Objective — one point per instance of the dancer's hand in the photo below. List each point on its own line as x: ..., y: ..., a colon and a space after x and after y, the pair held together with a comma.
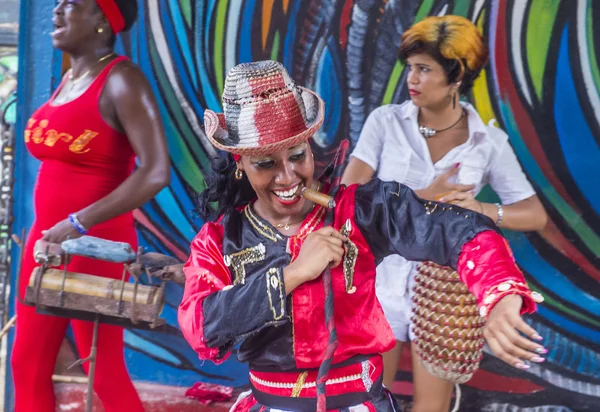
x: 502, y: 334
x: 465, y: 200
x: 442, y: 187
x: 60, y: 232
x: 321, y: 249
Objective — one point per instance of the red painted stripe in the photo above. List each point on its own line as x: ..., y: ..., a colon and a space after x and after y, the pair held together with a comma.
x: 488, y: 381
x: 141, y: 218
x: 345, y: 22
x: 483, y: 380
x: 553, y: 235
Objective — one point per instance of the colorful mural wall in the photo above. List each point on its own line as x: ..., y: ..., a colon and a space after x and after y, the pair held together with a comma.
x: 542, y: 86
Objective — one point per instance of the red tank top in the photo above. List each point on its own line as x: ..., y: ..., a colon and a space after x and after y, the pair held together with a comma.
x: 83, y: 158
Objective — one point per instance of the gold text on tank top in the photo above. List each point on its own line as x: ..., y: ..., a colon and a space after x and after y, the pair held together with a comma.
x: 39, y: 135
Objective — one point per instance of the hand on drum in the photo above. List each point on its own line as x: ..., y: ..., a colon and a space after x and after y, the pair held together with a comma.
x: 60, y: 232
x: 49, y: 253
x: 502, y: 334
x: 321, y: 249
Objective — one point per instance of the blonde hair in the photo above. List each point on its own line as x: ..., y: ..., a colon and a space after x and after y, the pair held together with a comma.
x: 453, y: 41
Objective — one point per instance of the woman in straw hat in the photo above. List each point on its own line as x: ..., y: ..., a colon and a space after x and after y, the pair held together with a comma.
x: 254, y: 274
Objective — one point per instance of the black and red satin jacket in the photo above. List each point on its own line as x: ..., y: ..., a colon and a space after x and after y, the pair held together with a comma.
x: 235, y: 291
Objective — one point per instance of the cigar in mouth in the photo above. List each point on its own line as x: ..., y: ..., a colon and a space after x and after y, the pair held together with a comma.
x: 317, y: 197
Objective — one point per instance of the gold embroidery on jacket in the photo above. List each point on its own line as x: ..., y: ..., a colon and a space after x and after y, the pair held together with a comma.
x: 261, y: 227
x: 238, y: 261
x: 275, y: 284
x: 350, y: 256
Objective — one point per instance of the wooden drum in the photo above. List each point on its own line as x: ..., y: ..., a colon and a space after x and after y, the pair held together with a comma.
x: 60, y: 292
x: 77, y: 295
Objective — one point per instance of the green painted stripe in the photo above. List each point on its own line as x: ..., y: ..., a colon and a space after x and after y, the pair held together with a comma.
x: 552, y: 303
x: 219, y: 56
x: 424, y: 10
x: 462, y: 7
x: 540, y: 25
x: 275, y: 47
x: 187, y: 133
x: 186, y: 11
x: 393, y: 82
x: 574, y: 220
x: 11, y: 62
x: 591, y: 47
x: 586, y: 234
x: 177, y: 127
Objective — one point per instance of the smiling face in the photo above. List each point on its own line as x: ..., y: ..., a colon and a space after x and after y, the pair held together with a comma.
x: 427, y: 82
x: 278, y: 177
x: 76, y: 24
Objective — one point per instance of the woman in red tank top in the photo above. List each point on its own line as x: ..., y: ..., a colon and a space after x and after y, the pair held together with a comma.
x: 87, y: 137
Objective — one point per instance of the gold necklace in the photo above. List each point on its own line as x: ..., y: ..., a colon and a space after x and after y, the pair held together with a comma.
x: 286, y: 226
x: 75, y: 80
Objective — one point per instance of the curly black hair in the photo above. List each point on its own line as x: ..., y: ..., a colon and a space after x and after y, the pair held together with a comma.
x: 223, y: 189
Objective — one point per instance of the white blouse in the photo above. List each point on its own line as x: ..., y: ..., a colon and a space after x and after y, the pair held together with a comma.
x: 392, y: 145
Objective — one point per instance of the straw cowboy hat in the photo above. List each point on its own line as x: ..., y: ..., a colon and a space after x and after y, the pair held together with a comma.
x: 264, y: 111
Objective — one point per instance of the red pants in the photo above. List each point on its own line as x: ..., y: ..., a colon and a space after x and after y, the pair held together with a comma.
x: 38, y: 339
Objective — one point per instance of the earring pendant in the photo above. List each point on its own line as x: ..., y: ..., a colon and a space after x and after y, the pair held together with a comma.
x: 238, y: 174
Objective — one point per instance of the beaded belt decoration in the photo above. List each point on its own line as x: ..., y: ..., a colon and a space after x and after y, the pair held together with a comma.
x: 446, y: 323
x: 358, y: 377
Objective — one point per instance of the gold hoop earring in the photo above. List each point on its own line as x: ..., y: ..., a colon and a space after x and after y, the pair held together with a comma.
x: 100, y: 30
x: 454, y: 101
x: 238, y: 174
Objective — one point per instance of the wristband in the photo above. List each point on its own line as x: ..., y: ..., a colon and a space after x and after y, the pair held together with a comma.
x: 76, y: 224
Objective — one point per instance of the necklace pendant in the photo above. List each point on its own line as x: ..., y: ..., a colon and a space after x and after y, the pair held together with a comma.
x: 286, y: 227
x: 427, y: 132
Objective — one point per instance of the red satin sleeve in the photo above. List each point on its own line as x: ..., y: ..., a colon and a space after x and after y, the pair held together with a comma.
x: 487, y: 266
x: 205, y: 273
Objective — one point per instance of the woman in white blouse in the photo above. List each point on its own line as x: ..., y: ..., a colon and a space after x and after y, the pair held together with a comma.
x: 439, y: 146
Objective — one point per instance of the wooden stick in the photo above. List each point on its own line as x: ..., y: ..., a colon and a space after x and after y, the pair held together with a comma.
x: 8, y: 325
